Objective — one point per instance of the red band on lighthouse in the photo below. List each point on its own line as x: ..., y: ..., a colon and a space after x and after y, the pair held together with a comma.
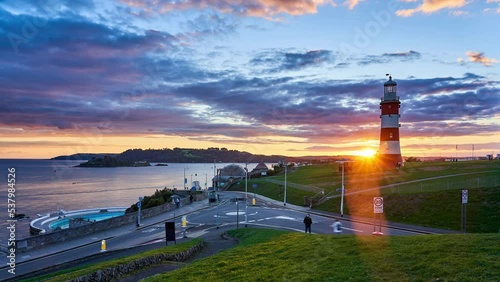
x: 389, y: 150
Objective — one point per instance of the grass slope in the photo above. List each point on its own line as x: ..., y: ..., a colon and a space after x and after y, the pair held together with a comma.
x: 269, y: 255
x: 432, y: 203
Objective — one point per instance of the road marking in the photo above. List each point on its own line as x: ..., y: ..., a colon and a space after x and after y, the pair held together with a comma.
x: 285, y: 217
x: 235, y: 213
x: 149, y: 230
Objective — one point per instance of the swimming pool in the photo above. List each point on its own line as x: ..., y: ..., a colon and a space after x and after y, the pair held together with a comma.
x: 63, y: 223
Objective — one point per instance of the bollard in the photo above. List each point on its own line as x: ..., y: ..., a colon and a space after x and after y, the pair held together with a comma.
x: 103, y: 245
x: 253, y: 201
x: 184, y: 223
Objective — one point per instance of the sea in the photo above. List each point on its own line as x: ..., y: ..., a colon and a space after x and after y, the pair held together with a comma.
x: 46, y: 186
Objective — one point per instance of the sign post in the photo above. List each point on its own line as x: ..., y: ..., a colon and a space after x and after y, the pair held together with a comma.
x: 463, y: 217
x: 378, y: 208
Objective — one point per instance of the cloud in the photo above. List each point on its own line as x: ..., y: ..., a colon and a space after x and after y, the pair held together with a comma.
x: 390, y: 57
x: 210, y: 25
x: 478, y: 57
x: 277, y: 60
x: 351, y: 3
x: 268, y: 9
x: 77, y: 75
x: 458, y: 13
x: 432, y: 6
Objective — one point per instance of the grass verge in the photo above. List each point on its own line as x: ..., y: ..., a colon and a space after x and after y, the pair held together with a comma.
x: 72, y: 273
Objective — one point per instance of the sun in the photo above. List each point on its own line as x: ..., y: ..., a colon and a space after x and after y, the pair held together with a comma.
x: 369, y: 153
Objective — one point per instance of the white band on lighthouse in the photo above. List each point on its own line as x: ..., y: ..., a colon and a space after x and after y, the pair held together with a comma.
x: 389, y: 147
x: 390, y: 121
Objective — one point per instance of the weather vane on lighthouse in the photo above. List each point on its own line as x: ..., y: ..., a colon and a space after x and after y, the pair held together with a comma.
x: 390, y: 149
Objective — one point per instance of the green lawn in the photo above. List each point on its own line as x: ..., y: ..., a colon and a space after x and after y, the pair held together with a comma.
x: 269, y: 255
x: 433, y: 203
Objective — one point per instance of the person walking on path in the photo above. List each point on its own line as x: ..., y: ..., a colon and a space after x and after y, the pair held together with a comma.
x: 307, y: 222
x: 337, y: 227
x: 191, y: 198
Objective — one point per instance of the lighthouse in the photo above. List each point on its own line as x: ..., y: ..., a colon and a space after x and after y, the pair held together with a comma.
x: 389, y: 152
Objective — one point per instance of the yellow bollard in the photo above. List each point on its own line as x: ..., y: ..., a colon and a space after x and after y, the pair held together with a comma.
x: 103, y: 245
x: 253, y: 201
x: 184, y: 221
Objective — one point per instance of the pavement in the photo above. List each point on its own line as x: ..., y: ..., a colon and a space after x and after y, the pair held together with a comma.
x: 175, y: 215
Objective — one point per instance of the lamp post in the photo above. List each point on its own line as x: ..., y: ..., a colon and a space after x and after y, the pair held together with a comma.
x: 284, y: 199
x: 237, y: 213
x: 184, y: 180
x: 246, y: 193
x: 139, y: 203
x: 342, y: 197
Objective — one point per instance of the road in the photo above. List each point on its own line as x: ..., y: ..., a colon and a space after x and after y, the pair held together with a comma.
x: 199, y: 222
x: 275, y: 216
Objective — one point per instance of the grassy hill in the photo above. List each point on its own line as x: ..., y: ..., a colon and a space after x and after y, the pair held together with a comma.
x: 270, y: 255
x: 411, y: 195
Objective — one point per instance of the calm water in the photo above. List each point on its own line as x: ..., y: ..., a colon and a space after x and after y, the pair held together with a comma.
x: 44, y: 186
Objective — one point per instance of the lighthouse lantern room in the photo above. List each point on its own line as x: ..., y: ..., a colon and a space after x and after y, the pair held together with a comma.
x: 389, y: 151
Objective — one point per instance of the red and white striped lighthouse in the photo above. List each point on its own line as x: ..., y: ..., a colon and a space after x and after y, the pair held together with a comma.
x: 389, y: 152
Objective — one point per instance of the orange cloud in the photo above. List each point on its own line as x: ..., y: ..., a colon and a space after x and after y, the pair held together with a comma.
x: 431, y: 6
x: 351, y: 3
x: 478, y: 57
x: 256, y: 8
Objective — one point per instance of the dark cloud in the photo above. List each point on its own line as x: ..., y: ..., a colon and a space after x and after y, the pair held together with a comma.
x: 278, y: 61
x: 390, y: 57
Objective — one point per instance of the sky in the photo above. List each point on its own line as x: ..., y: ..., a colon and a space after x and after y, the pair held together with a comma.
x: 294, y: 78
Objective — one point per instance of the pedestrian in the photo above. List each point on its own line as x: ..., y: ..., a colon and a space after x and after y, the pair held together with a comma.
x: 177, y: 202
x: 307, y: 222
x: 191, y: 198
x: 337, y: 227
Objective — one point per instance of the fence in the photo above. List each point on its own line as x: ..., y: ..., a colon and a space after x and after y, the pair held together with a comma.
x: 445, y: 183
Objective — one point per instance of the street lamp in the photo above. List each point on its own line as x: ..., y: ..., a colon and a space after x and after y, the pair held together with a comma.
x: 284, y: 199
x: 343, y: 190
x: 246, y: 193
x: 139, y: 204
x: 184, y: 180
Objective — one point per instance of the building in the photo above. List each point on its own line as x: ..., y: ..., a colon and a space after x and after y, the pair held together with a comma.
x: 228, y: 174
x: 389, y: 153
x: 260, y: 169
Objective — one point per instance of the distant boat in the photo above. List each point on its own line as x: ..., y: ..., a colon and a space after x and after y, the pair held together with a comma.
x: 161, y: 164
